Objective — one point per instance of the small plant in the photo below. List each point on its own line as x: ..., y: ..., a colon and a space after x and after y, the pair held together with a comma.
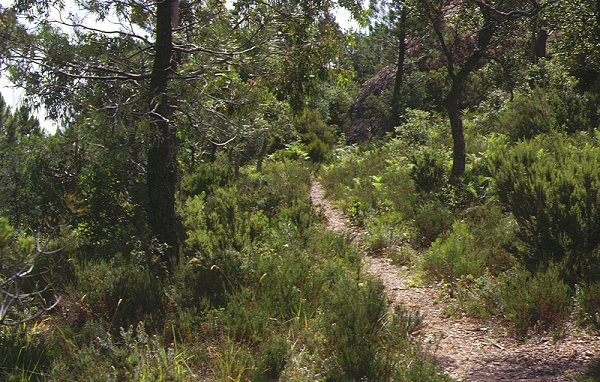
x: 122, y: 293
x: 454, y: 257
x: 587, y: 304
x: 386, y: 230
x: 274, y: 356
x: 527, y: 116
x: 415, y: 131
x: 24, y: 354
x: 428, y: 169
x: 232, y: 363
x: 540, y: 301
x: 354, y: 321
x: 315, y: 134
x: 430, y: 220
x: 552, y: 186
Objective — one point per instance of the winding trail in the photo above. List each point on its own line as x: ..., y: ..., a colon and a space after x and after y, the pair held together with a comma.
x: 471, y: 349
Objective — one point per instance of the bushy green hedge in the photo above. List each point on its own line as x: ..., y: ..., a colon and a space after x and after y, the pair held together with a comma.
x: 315, y: 134
x: 552, y: 187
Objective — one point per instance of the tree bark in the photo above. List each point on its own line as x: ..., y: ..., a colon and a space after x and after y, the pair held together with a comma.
x: 162, y: 165
x: 459, y: 152
x: 396, y: 106
x: 454, y: 99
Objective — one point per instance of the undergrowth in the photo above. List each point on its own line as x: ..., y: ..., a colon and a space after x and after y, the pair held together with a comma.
x: 262, y: 292
x: 515, y: 239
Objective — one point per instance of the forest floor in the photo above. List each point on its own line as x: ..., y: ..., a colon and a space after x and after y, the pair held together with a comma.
x: 472, y: 349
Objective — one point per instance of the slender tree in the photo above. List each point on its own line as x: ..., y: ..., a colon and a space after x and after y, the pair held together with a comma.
x: 165, y: 68
x: 162, y: 154
x: 466, y: 31
x: 392, y: 18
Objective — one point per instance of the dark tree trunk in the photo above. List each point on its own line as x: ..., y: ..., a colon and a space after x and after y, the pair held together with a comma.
x: 162, y: 165
x: 454, y: 99
x: 459, y: 152
x: 396, y: 105
x: 262, y: 151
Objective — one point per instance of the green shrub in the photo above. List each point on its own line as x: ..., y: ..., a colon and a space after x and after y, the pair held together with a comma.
x: 493, y: 234
x: 552, y: 187
x: 318, y: 137
x: 130, y: 355
x: 528, y: 115
x: 386, y: 230
x: 429, y: 221
x: 455, y: 256
x: 233, y: 362
x: 539, y: 301
x: 274, y: 355
x: 24, y: 354
x: 428, y: 169
x: 294, y: 151
x: 206, y: 177
x: 220, y: 222
x: 472, y: 190
x: 355, y: 317
x: 415, y: 131
x: 25, y: 289
x: 122, y: 293
x: 587, y: 304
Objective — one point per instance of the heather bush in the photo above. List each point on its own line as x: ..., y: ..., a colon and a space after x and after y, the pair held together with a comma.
x: 587, y: 304
x: 317, y: 136
x: 552, y: 187
x: 539, y: 301
x: 454, y: 257
x: 429, y: 169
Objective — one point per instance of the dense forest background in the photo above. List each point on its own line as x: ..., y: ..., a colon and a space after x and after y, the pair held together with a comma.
x: 165, y: 230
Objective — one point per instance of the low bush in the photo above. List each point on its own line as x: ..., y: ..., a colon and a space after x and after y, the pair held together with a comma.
x: 24, y: 354
x: 527, y: 115
x: 315, y: 134
x: 430, y: 220
x: 122, y: 293
x: 386, y: 230
x: 206, y: 178
x: 416, y: 130
x: 552, y: 187
x: 540, y: 301
x: 428, y: 169
x: 587, y: 304
x: 356, y: 317
x: 454, y: 257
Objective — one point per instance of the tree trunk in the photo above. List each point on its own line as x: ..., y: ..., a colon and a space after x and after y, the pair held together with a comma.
x: 396, y: 107
x: 162, y: 165
x: 459, y: 152
x: 454, y: 99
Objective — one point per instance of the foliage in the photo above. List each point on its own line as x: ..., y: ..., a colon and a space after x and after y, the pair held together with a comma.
x: 24, y: 354
x: 317, y: 136
x: 415, y: 131
x: 333, y: 102
x: 428, y: 169
x: 587, y: 304
x: 25, y: 292
x: 358, y: 310
x: 262, y: 291
x: 576, y: 46
x: 550, y: 185
x: 528, y: 116
x: 454, y: 257
x: 431, y: 219
x: 538, y: 301
x: 122, y: 294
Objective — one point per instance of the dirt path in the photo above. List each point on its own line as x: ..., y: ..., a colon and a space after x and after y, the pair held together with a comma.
x: 467, y: 348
